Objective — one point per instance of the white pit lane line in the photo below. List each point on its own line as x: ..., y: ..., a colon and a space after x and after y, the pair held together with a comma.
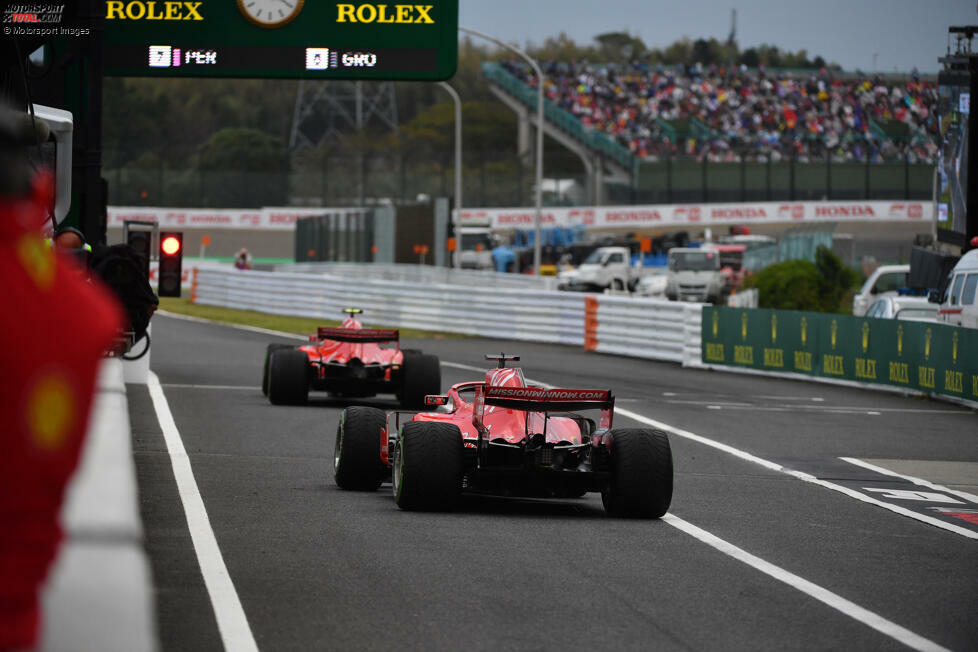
x: 909, y: 478
x: 837, y: 602
x: 231, y: 620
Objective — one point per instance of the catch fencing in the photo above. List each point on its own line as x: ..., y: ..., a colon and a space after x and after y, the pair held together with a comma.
x: 639, y: 327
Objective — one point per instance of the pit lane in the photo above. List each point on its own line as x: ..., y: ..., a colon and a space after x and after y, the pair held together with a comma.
x: 316, y: 567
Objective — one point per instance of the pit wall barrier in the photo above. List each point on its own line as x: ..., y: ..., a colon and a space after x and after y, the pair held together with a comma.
x: 639, y: 327
x: 921, y: 356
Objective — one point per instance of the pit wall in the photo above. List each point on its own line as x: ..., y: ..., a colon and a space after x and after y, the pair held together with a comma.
x: 921, y: 356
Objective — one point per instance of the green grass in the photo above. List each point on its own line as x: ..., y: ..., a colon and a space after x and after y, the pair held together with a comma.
x: 283, y: 323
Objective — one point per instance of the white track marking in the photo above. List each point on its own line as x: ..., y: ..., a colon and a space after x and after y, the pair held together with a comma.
x: 909, y: 478
x: 806, y: 477
x: 185, y: 386
x: 791, y: 398
x: 840, y: 409
x: 833, y: 600
x: 231, y: 620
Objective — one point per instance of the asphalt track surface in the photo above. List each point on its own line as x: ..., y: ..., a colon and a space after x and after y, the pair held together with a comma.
x: 751, y: 557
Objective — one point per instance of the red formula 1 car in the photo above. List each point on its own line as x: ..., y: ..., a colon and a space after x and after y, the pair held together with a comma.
x: 349, y: 361
x: 501, y: 436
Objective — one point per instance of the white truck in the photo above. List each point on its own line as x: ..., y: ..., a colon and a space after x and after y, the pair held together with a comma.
x: 695, y: 275
x: 475, y: 244
x: 605, y: 268
x: 886, y: 280
x: 959, y: 305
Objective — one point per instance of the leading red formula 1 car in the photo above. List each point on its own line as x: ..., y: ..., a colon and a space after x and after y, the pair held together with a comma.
x: 349, y: 361
x: 501, y: 436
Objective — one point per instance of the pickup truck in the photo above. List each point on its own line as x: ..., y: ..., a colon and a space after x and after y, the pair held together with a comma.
x: 886, y: 280
x: 604, y: 268
x: 695, y: 275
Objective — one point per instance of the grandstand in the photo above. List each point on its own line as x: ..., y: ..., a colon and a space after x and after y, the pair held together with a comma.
x: 729, y: 114
x: 734, y: 134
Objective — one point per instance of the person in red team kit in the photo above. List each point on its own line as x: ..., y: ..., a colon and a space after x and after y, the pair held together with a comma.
x: 55, y: 327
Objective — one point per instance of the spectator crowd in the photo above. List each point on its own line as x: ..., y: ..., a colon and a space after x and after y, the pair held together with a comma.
x: 730, y: 114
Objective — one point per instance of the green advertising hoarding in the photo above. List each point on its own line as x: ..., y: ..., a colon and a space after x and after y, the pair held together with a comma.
x: 310, y: 39
x: 925, y: 356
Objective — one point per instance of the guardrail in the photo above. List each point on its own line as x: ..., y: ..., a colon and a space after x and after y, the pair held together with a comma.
x: 930, y: 358
x: 509, y: 313
x: 641, y: 327
x: 423, y: 274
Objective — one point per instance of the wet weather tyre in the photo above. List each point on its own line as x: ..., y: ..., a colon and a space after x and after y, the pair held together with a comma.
x: 356, y: 455
x: 288, y: 377
x: 420, y: 376
x: 641, y: 474
x: 269, y: 350
x: 428, y: 467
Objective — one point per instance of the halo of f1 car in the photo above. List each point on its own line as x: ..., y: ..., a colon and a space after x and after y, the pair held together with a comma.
x: 349, y: 361
x: 501, y: 436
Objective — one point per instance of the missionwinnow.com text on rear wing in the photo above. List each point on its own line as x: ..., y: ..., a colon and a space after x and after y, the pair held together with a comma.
x: 539, y: 399
x: 359, y: 335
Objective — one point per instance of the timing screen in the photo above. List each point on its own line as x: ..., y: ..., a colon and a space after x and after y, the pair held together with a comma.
x: 188, y: 59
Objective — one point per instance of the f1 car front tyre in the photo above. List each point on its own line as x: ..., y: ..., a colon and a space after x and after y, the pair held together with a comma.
x: 641, y: 474
x: 420, y: 376
x: 356, y: 457
x: 428, y: 466
x: 269, y: 350
x: 288, y: 377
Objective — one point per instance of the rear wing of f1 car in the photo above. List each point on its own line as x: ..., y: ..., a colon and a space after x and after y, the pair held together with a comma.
x: 359, y: 335
x: 539, y: 399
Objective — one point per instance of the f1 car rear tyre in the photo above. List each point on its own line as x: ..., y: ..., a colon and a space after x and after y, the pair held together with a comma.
x: 288, y: 377
x: 271, y: 348
x: 641, y: 474
x: 356, y: 456
x: 420, y: 376
x: 428, y: 466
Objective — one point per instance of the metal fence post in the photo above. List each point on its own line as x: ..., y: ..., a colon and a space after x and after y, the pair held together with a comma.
x: 866, y: 177
x: 767, y: 179
x: 669, y: 179
x: 705, y: 188
x: 791, y: 177
x: 828, y: 176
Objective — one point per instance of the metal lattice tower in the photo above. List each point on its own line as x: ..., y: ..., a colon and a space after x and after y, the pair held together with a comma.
x: 329, y: 111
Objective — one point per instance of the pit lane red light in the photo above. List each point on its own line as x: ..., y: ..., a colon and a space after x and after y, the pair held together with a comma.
x: 170, y: 245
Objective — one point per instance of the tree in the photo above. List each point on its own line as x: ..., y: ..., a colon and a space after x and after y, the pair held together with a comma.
x: 750, y: 58
x: 706, y: 52
x: 803, y: 285
x: 620, y: 46
x: 244, y: 168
